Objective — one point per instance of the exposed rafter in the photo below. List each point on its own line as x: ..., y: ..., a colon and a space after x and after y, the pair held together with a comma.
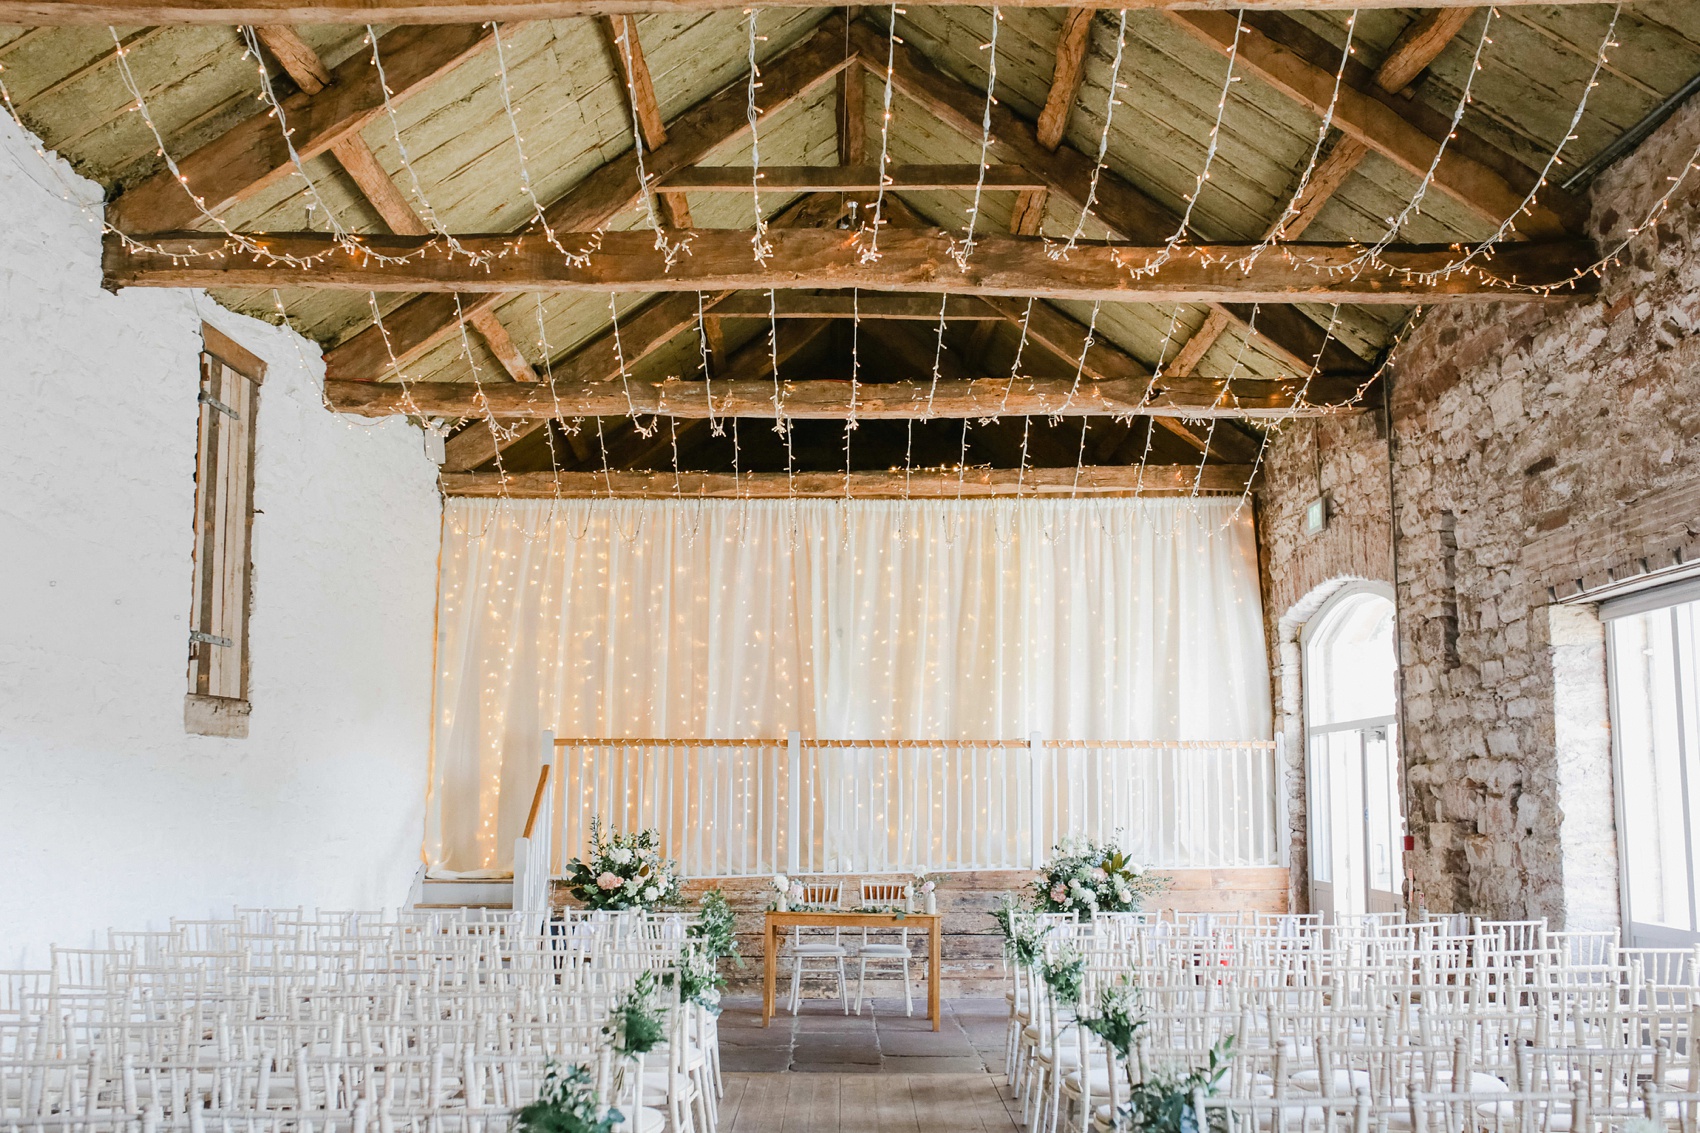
x: 607, y: 191
x: 634, y: 68
x: 919, y: 484
x: 1417, y: 46
x: 1122, y: 207
x: 1073, y: 39
x: 253, y: 154
x: 911, y: 260
x: 74, y: 12
x: 596, y: 362
x: 1273, y: 49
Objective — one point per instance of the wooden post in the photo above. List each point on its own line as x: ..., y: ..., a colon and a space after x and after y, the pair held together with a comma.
x: 1035, y: 811
x: 793, y: 802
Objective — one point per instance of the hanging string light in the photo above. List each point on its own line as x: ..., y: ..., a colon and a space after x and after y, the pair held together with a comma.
x: 961, y: 252
x: 1111, y: 101
x: 670, y: 249
x: 868, y: 236
x: 716, y: 427
x: 1277, y: 231
x: 759, y: 242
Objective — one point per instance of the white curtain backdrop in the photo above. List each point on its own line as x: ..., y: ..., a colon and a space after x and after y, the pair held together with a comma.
x: 983, y: 619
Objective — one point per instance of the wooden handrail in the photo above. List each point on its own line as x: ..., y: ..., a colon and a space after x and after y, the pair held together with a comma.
x: 626, y: 741
x: 537, y: 799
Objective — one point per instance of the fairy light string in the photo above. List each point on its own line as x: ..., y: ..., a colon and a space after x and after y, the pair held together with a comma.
x: 670, y: 249
x: 1111, y: 101
x: 759, y: 242
x: 868, y: 237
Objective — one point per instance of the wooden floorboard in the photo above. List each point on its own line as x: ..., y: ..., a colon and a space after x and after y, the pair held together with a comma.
x: 864, y: 1103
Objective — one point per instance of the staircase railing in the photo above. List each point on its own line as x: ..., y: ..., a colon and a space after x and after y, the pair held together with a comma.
x: 756, y: 806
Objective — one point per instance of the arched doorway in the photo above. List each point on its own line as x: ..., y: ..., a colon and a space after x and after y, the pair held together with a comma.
x: 1357, y: 825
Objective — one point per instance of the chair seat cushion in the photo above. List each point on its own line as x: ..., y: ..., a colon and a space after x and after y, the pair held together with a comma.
x: 820, y: 950
x: 884, y: 950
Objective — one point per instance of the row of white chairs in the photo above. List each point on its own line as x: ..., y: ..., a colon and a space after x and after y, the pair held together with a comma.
x: 352, y: 1019
x: 1379, y: 1007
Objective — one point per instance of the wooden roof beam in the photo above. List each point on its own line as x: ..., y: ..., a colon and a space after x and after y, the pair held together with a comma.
x: 803, y: 398
x: 911, y: 260
x: 1073, y: 38
x: 610, y: 189
x: 59, y: 13
x: 379, y: 188
x: 596, y: 363
x: 918, y: 484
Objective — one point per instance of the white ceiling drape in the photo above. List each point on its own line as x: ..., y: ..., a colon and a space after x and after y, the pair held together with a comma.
x: 984, y: 619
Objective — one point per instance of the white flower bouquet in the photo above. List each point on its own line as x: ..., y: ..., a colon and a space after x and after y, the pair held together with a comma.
x: 1084, y: 877
x: 623, y: 871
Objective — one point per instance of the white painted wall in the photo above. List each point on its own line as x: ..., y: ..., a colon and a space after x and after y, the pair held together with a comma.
x: 109, y: 814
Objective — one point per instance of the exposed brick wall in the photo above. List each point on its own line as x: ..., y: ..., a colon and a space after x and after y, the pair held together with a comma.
x: 1537, y: 449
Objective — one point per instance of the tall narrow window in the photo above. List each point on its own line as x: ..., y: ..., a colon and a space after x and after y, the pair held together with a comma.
x: 1357, y: 825
x: 1654, y: 670
x: 224, y: 510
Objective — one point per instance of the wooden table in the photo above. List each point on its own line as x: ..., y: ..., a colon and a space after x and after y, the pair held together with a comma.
x: 779, y: 923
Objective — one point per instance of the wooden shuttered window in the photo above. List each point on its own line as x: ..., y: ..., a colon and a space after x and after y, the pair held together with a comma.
x: 224, y: 512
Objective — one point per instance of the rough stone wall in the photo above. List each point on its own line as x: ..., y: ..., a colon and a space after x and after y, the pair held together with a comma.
x: 1538, y: 450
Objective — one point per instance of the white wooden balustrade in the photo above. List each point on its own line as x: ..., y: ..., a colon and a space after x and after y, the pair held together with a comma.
x: 752, y: 807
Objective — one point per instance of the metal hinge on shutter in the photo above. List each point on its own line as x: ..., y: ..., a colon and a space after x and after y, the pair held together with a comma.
x: 208, y: 399
x: 196, y: 637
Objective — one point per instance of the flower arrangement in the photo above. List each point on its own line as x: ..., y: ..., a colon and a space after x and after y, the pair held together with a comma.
x: 697, y: 976
x: 789, y: 892
x: 1084, y: 877
x: 623, y: 871
x: 567, y: 1103
x: 924, y: 890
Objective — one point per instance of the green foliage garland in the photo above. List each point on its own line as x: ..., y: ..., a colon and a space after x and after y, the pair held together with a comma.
x: 1116, y: 1019
x: 1065, y: 975
x: 1023, y: 936
x: 567, y: 1103
x: 636, y: 1026
x: 1162, y: 1103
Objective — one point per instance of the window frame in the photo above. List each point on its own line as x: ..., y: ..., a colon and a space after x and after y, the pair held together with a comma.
x: 1322, y: 620
x: 1664, y: 597
x: 205, y: 711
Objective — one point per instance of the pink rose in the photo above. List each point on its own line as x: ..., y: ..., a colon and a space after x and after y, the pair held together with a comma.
x: 1058, y: 892
x: 609, y: 881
